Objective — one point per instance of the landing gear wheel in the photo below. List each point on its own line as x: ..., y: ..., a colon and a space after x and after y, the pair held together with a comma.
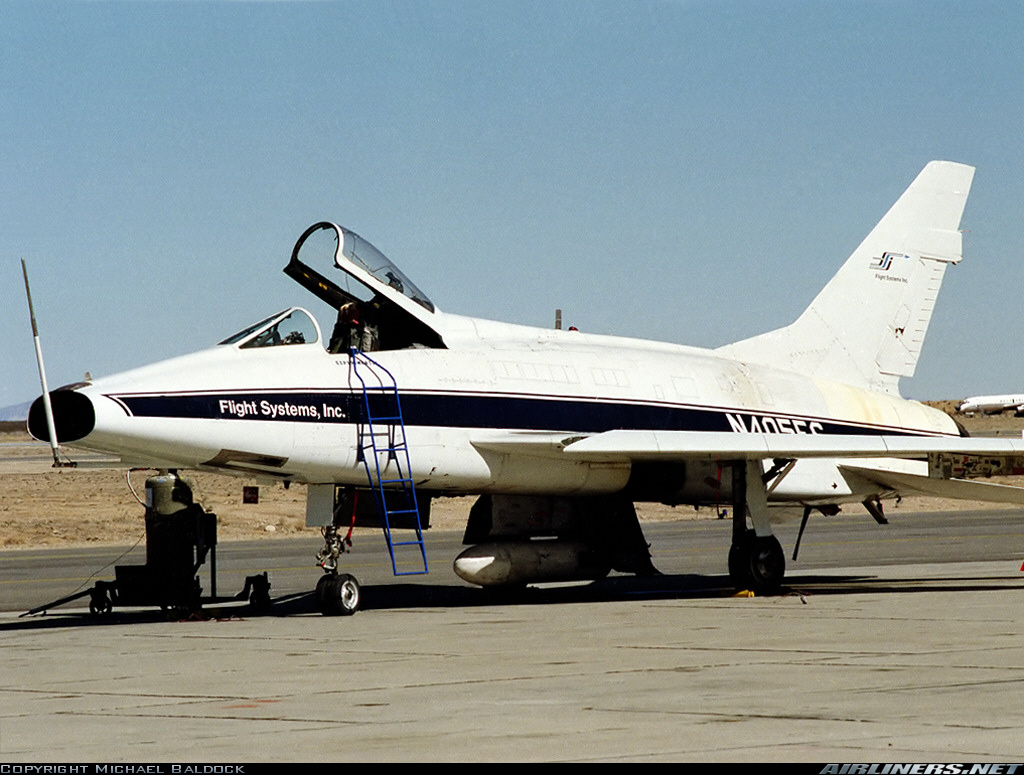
x: 767, y: 565
x: 337, y: 595
x: 757, y: 563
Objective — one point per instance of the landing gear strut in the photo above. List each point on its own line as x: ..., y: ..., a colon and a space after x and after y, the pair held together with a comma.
x: 756, y: 559
x: 337, y: 594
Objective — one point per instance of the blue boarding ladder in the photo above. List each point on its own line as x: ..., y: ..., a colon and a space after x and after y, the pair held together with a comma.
x: 381, y: 437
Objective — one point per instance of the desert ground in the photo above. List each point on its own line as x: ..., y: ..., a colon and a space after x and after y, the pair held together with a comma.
x: 42, y: 506
x: 45, y: 507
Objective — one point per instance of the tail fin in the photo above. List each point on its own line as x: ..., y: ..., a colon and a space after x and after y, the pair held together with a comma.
x: 867, y: 326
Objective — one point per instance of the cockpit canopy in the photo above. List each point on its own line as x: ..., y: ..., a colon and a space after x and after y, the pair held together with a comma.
x: 402, y: 316
x: 356, y: 249
x: 291, y: 326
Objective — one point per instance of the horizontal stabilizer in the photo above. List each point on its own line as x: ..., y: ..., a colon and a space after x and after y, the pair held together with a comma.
x: 960, y: 489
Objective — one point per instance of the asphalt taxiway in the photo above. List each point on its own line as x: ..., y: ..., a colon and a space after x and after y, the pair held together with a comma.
x: 903, y: 643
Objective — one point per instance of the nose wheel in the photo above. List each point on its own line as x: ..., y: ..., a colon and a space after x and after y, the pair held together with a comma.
x: 337, y: 594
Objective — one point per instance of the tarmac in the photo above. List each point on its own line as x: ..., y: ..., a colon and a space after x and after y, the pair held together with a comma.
x: 893, y: 663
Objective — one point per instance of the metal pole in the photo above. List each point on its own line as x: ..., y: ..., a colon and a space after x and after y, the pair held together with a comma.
x: 47, y: 406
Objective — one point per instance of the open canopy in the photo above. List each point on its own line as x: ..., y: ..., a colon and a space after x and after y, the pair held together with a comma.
x: 401, y: 314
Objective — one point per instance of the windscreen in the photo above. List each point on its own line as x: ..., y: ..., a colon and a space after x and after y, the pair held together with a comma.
x: 296, y: 327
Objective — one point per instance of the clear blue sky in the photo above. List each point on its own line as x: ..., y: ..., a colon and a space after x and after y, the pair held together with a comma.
x: 688, y: 171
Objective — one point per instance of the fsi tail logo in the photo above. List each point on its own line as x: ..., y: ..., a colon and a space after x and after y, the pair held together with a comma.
x: 883, y: 262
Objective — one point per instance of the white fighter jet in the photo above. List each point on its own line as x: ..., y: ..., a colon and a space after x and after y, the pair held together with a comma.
x: 559, y: 433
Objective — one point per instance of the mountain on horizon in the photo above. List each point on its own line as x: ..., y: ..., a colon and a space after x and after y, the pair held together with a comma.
x: 16, y: 413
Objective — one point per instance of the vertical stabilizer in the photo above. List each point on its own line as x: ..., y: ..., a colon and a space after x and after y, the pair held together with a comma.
x: 867, y: 326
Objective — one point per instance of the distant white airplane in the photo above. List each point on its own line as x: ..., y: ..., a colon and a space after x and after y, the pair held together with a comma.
x: 992, y: 404
x: 560, y: 432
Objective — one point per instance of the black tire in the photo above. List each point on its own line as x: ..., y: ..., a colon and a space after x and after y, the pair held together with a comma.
x: 767, y: 565
x: 758, y: 564
x: 338, y: 595
x: 321, y: 592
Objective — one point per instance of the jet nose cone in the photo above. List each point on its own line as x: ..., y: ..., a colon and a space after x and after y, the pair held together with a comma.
x: 73, y: 416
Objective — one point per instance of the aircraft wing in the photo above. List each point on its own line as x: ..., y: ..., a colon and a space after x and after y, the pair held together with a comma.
x: 952, y: 461
x: 630, y: 445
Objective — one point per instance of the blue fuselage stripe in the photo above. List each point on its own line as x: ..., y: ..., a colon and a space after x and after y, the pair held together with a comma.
x: 478, y: 410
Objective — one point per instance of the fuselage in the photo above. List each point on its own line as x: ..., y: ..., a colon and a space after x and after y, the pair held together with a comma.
x: 487, y: 407
x: 293, y: 411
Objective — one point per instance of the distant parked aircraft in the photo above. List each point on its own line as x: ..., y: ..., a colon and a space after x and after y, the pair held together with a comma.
x: 993, y: 404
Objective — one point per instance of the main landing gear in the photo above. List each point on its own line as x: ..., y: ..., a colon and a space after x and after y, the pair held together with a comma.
x: 756, y: 559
